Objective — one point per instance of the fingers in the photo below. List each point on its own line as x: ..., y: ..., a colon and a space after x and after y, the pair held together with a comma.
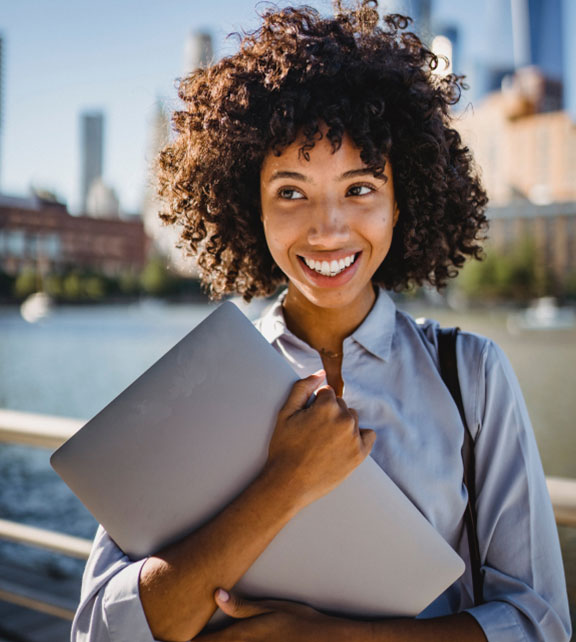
x: 368, y: 437
x: 234, y: 606
x: 301, y: 391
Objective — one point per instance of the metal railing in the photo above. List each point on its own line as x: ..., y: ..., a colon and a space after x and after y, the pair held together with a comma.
x: 50, y: 432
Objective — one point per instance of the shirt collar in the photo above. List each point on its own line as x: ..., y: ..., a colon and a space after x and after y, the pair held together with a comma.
x: 374, y: 334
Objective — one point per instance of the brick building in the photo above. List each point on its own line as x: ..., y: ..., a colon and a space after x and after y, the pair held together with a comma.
x: 527, y: 160
x: 41, y: 232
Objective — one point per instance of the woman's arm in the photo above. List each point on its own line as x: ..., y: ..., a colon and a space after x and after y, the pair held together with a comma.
x: 312, y: 450
x: 524, y: 585
x: 278, y: 621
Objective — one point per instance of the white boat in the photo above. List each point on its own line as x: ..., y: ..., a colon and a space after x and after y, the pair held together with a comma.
x: 543, y: 314
x: 36, y: 307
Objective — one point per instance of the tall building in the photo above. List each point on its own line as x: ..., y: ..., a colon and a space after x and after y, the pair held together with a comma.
x: 539, y: 42
x: 569, y: 52
x: 92, y: 153
x: 198, y: 51
x: 1, y: 99
x: 164, y: 238
x: 546, y: 36
x: 451, y: 33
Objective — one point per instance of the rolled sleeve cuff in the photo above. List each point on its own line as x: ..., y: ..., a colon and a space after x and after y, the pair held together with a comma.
x: 499, y: 621
x: 124, y: 613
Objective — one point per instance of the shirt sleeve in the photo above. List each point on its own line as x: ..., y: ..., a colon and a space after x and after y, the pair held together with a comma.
x: 524, y: 582
x: 110, y: 609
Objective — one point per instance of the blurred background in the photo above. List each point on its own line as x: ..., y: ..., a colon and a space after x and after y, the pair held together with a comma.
x: 93, y: 290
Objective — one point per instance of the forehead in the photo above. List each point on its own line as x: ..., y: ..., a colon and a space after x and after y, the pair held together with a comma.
x: 300, y: 162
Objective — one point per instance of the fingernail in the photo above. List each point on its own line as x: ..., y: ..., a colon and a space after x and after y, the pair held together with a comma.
x: 320, y: 373
x: 223, y: 595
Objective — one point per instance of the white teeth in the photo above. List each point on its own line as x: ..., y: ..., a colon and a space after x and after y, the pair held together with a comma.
x: 331, y: 268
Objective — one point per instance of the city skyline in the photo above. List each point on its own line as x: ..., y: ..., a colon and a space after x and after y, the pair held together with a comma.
x: 120, y: 58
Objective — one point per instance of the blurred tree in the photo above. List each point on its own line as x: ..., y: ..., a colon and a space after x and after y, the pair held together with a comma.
x: 6, y: 285
x: 72, y: 286
x: 156, y: 279
x: 26, y: 283
x: 94, y: 287
x: 54, y: 285
x: 515, y: 275
x: 128, y: 283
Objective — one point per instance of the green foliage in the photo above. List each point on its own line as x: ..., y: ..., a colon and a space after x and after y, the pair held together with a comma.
x: 570, y: 286
x: 54, y: 285
x: 77, y: 285
x: 128, y: 283
x: 156, y: 279
x: 26, y: 283
x: 72, y: 286
x: 515, y: 275
x: 94, y: 287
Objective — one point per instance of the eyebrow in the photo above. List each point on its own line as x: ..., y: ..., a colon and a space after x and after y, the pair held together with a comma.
x: 352, y: 173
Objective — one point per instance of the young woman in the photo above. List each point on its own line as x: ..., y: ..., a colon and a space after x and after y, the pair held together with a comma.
x: 321, y: 155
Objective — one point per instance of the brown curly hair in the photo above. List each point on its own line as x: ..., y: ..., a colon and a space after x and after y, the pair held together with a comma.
x: 297, y: 72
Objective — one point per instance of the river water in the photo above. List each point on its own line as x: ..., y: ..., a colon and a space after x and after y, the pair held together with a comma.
x: 73, y: 363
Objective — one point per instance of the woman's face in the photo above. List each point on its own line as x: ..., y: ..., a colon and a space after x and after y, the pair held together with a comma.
x: 328, y: 222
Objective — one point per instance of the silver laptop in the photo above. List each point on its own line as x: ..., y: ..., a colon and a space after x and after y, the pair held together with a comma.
x: 188, y: 435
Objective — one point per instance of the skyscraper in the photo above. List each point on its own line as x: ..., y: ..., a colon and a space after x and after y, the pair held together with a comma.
x: 538, y: 42
x: 198, y: 51
x: 92, y: 152
x: 1, y: 99
x: 569, y: 52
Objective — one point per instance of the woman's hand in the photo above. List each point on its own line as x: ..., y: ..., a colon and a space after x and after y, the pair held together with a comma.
x: 315, y: 448
x: 275, y: 621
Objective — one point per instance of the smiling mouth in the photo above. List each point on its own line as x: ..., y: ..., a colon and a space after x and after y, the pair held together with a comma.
x: 330, y: 268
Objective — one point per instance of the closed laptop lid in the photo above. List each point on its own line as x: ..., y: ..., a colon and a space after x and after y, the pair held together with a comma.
x: 188, y: 435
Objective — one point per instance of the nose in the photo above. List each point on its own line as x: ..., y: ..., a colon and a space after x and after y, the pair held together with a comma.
x: 328, y: 226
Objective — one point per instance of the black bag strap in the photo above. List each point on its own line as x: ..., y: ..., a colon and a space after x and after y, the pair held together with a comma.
x: 449, y: 372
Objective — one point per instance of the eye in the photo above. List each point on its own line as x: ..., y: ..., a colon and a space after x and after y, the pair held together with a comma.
x: 360, y: 190
x: 290, y: 194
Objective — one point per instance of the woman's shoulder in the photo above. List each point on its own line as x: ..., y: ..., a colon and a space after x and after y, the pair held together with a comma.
x: 472, y: 344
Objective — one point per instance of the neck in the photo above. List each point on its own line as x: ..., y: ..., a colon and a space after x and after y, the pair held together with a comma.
x: 325, y: 329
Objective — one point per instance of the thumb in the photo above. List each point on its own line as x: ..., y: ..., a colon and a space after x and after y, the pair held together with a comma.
x: 234, y: 606
x: 301, y: 392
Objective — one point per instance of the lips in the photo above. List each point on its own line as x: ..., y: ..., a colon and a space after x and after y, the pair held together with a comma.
x: 330, y: 270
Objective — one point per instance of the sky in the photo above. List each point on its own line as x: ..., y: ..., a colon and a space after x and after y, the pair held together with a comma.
x: 62, y: 57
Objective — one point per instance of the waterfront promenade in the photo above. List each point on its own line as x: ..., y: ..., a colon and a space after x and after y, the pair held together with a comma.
x: 75, y: 362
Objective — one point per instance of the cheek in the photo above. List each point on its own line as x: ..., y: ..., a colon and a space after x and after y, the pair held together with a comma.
x: 274, y: 242
x: 279, y: 234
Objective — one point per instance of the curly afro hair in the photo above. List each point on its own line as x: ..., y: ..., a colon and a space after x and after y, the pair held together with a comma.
x: 297, y: 73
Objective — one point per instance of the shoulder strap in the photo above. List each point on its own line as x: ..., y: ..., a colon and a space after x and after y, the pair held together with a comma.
x: 449, y: 372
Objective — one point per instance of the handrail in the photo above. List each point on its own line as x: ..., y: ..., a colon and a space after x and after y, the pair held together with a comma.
x: 44, y: 538
x: 32, y: 429
x: 47, y: 431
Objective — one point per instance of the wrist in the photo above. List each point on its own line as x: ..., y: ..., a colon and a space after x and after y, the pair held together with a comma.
x: 279, y: 489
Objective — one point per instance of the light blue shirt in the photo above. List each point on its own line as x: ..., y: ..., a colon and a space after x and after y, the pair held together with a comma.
x: 391, y: 377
